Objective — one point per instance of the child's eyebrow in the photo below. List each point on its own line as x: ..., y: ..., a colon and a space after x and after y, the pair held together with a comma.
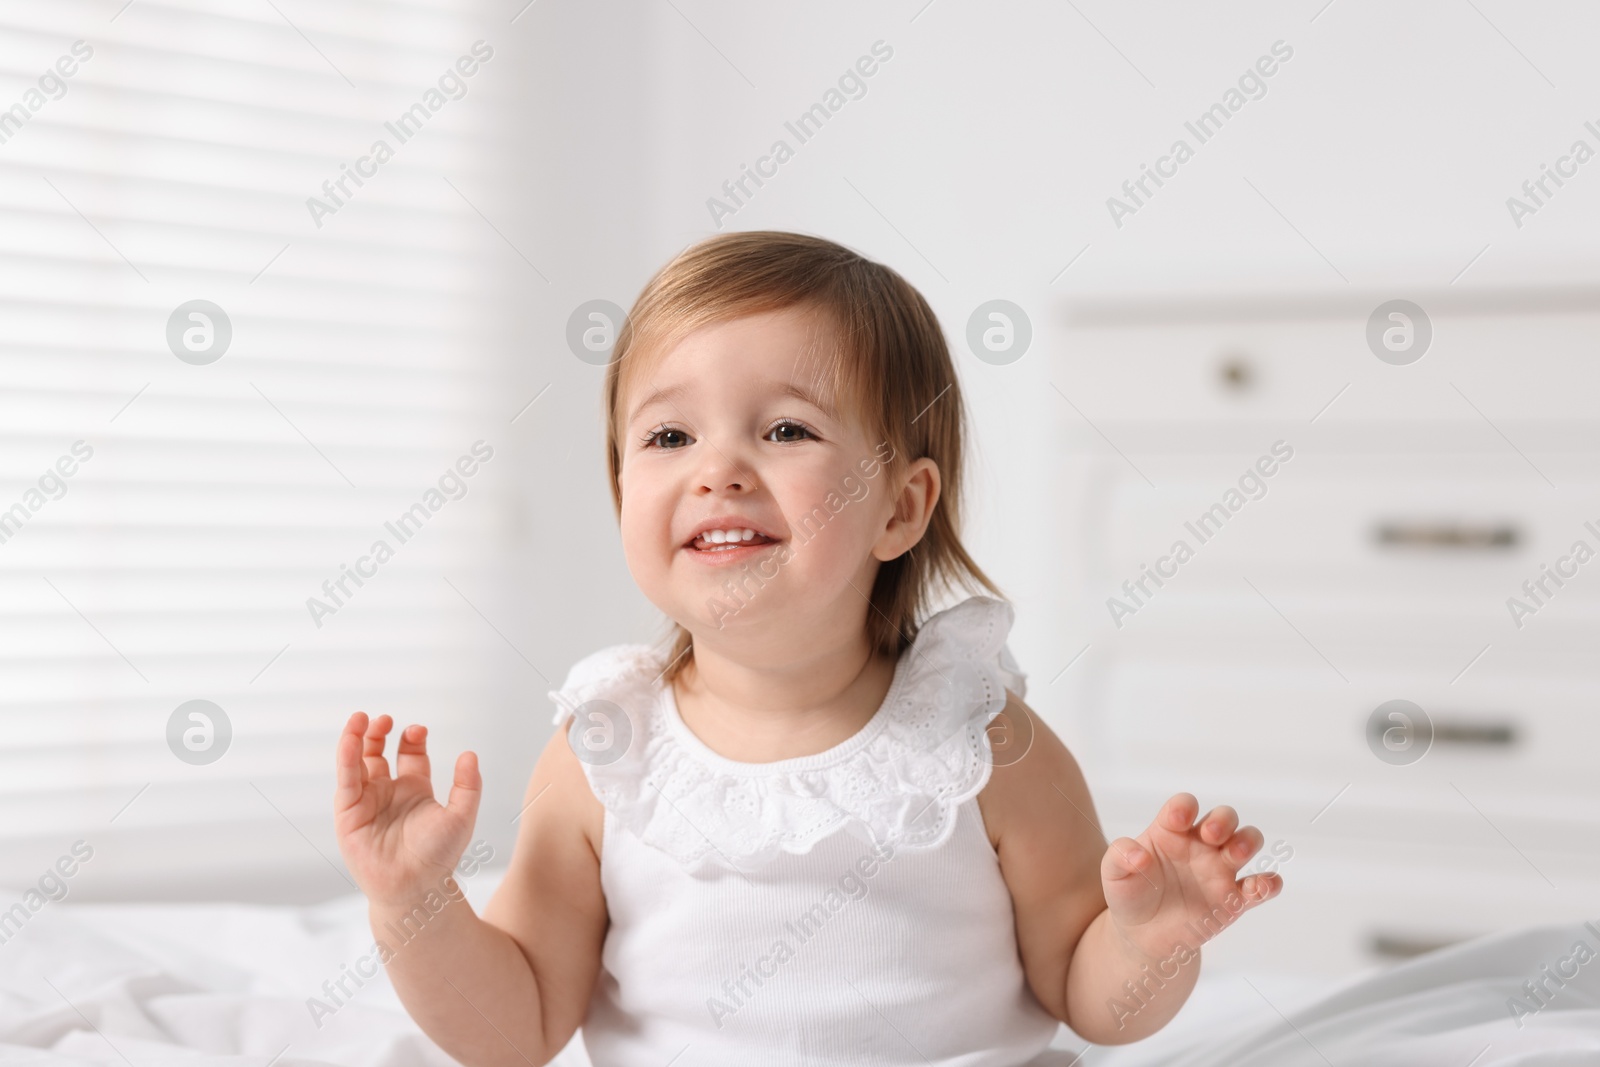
x: 789, y: 389
x: 657, y: 396
x: 799, y: 392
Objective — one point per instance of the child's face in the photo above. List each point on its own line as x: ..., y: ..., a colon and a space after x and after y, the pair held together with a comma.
x: 734, y: 447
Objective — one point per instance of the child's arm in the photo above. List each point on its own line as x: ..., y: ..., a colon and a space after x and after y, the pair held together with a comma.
x: 1113, y: 972
x: 510, y: 988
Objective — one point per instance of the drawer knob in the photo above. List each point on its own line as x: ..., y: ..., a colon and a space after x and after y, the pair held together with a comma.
x: 1404, y: 946
x: 1448, y: 535
x: 1236, y: 374
x: 1485, y: 734
x: 1400, y: 733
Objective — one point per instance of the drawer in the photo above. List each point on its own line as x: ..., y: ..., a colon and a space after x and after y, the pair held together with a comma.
x: 1219, y: 360
x: 1506, y: 736
x: 1351, y: 902
x: 1358, y: 560
x: 1346, y: 909
x: 1359, y: 635
x: 1317, y: 523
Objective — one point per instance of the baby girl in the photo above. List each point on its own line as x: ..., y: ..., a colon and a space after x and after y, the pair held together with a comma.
x: 819, y: 825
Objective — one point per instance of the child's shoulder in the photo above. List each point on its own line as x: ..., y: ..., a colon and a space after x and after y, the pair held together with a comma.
x: 628, y: 671
x: 1034, y: 777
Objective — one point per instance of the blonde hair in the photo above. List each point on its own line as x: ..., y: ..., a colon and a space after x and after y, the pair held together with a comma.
x: 894, y: 374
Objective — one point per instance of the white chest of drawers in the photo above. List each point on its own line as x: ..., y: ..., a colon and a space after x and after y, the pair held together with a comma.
x: 1374, y: 565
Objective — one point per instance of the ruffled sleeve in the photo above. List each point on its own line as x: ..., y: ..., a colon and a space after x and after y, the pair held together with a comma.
x: 620, y: 673
x: 899, y: 780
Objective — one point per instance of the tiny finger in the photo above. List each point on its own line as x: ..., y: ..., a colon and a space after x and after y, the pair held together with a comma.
x: 1242, y: 845
x: 1178, y: 813
x: 411, y: 752
x: 467, y: 786
x: 377, y: 731
x: 350, y: 774
x: 1217, y: 826
x: 1124, y: 857
x: 1260, y: 887
x: 372, y: 746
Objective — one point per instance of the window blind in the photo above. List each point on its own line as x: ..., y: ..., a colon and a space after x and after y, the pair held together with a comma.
x: 173, y: 512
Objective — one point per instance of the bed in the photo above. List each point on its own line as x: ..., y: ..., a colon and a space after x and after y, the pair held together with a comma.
x: 229, y: 984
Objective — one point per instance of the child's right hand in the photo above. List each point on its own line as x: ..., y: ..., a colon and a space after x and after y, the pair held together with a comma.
x: 396, y: 839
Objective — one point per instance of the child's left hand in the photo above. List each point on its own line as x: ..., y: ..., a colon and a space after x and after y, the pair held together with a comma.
x: 1175, y: 884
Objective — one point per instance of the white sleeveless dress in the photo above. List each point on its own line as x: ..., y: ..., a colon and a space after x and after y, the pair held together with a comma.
x: 837, y: 909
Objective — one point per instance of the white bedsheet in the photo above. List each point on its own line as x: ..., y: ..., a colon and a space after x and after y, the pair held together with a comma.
x: 1446, y: 1009
x: 229, y: 984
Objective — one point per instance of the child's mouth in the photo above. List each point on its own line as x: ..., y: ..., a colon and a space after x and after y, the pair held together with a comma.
x: 728, y: 539
x: 734, y: 544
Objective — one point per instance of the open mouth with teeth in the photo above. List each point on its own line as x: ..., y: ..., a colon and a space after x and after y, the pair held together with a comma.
x: 729, y: 542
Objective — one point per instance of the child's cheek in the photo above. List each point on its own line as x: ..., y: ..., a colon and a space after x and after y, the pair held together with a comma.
x: 645, y: 528
x: 830, y: 528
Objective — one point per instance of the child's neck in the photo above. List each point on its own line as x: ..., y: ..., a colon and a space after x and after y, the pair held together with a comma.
x: 765, y: 713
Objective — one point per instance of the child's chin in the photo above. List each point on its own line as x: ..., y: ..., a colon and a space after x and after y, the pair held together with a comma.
x: 726, y: 604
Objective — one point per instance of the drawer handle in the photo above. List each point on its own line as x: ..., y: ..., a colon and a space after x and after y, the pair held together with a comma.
x: 1487, y: 734
x: 1398, y: 946
x: 1448, y: 536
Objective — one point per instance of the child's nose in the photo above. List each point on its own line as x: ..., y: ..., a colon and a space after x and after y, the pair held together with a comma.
x: 725, y: 473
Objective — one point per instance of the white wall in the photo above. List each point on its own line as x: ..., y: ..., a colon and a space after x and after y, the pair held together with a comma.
x: 989, y: 145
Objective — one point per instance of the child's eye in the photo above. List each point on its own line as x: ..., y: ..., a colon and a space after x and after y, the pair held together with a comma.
x: 661, y: 434
x: 789, y: 430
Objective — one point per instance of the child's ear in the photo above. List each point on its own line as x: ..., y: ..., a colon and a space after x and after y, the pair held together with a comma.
x: 913, y: 510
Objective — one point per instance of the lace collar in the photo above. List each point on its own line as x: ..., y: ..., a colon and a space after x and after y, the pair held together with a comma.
x: 899, y: 779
